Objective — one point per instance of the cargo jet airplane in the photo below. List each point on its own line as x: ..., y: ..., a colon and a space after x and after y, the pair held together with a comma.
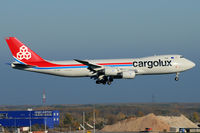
x: 103, y: 71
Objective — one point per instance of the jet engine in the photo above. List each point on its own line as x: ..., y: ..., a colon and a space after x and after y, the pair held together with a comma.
x: 111, y: 71
x: 128, y: 75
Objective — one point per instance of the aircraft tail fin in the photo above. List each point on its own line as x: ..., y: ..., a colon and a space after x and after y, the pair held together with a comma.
x: 21, y: 52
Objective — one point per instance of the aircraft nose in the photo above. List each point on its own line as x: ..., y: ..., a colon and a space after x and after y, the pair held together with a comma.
x: 192, y: 64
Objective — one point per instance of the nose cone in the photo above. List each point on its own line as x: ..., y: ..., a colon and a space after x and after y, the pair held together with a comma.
x: 186, y: 64
x: 191, y: 64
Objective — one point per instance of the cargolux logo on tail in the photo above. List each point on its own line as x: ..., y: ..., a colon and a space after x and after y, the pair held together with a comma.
x: 23, y: 53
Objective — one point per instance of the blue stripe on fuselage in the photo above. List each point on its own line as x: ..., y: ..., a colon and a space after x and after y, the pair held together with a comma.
x: 18, y: 61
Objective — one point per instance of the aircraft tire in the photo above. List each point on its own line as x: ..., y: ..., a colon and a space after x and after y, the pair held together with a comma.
x: 176, y: 78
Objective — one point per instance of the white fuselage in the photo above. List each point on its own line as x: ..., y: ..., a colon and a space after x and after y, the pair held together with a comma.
x: 164, y: 64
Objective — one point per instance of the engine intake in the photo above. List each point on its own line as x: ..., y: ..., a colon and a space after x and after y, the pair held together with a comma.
x: 111, y: 71
x: 128, y: 75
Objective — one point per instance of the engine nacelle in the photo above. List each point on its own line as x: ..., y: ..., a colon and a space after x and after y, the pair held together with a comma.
x: 111, y: 71
x: 128, y: 75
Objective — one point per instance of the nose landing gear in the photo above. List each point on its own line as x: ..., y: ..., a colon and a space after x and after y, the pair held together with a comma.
x: 177, y: 77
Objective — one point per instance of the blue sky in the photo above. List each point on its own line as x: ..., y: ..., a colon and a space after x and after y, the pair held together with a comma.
x: 65, y: 30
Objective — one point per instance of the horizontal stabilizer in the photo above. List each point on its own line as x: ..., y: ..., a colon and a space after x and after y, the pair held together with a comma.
x: 21, y: 66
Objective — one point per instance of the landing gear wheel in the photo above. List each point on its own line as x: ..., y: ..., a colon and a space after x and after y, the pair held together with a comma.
x: 98, y: 82
x: 102, y: 79
x: 110, y: 80
x: 176, y: 78
x: 109, y: 83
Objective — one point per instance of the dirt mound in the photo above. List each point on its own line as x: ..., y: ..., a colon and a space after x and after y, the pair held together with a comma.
x: 138, y: 124
x: 178, y: 121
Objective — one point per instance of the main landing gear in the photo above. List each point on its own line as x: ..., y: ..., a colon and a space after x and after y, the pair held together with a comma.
x: 177, y: 77
x: 104, y: 80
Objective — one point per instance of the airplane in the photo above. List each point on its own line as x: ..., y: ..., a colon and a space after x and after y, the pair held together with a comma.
x: 104, y: 71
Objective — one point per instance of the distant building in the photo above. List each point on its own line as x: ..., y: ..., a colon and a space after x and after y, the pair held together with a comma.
x: 27, y: 118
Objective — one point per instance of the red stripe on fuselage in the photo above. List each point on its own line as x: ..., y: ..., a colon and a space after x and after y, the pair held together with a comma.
x: 127, y: 63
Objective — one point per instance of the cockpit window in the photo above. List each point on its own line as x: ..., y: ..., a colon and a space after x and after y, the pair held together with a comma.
x: 181, y: 56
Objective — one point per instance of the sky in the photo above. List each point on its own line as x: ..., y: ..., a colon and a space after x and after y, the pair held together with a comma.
x: 66, y: 30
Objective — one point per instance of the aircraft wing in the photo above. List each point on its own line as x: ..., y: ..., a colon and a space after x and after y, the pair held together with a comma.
x: 91, y: 66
